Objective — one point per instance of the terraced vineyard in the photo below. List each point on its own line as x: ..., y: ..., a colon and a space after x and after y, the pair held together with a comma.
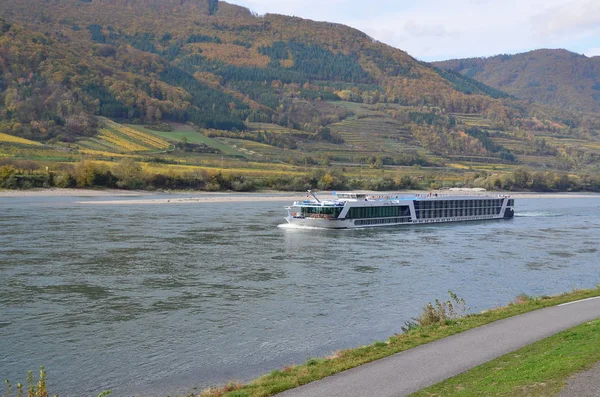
x: 526, y: 154
x: 471, y: 120
x: 539, y: 161
x: 572, y: 143
x: 376, y: 135
x: 373, y: 136
x: 362, y: 110
x: 120, y: 138
x: 269, y: 127
x: 17, y: 140
x: 120, y: 142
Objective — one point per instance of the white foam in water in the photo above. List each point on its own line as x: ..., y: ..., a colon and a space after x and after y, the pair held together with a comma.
x: 534, y: 214
x: 290, y: 226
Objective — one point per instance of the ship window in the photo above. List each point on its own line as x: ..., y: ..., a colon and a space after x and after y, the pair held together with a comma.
x: 378, y: 212
x: 332, y: 212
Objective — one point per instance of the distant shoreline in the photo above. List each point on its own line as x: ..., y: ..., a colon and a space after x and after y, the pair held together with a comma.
x: 65, y: 192
x: 219, y: 197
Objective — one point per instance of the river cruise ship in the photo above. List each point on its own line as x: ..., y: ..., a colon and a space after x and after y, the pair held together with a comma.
x: 358, y: 210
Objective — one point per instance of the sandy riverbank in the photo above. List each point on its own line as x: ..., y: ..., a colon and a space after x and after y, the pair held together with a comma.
x: 207, y: 197
x: 197, y: 200
x: 58, y: 192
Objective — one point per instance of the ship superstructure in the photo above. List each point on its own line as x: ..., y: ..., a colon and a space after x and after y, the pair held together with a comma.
x: 353, y: 210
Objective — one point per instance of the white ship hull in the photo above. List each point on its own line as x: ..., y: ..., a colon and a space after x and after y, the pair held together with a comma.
x: 356, y: 210
x: 351, y: 224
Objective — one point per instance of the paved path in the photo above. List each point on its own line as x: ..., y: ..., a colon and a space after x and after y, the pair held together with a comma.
x: 583, y: 384
x: 426, y: 365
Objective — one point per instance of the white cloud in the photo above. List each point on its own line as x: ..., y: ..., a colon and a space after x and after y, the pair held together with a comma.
x: 461, y: 29
x: 575, y: 17
x: 592, y: 52
x: 412, y: 28
x: 439, y: 29
x: 311, y: 9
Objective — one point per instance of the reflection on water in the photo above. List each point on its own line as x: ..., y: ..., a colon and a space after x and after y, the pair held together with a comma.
x: 153, y: 300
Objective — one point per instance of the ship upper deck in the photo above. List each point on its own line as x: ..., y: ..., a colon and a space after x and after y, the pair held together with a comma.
x: 341, y: 198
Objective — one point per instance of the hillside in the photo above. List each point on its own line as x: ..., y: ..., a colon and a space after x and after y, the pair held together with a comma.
x: 553, y: 77
x: 168, y: 60
x: 203, y: 83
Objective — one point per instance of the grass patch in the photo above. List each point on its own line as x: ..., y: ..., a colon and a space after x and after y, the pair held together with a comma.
x: 540, y: 369
x: 315, y: 369
x: 194, y: 137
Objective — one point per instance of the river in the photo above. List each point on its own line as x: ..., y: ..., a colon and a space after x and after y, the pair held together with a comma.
x: 153, y: 300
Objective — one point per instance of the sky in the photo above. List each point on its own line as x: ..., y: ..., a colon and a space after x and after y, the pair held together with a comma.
x: 434, y: 30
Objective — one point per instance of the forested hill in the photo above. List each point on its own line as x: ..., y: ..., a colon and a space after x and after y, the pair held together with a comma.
x: 207, y: 62
x: 554, y: 77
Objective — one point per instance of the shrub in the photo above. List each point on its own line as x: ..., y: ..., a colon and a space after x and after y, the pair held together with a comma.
x: 64, y: 180
x: 36, y: 388
x: 439, y: 313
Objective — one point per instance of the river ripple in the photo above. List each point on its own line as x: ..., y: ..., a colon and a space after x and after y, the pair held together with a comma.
x: 157, y: 299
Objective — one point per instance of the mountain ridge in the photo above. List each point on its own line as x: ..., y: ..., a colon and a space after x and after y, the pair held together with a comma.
x: 555, y: 77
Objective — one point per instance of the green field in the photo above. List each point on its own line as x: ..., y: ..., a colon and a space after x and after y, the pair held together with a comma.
x: 192, y: 136
x: 540, y: 369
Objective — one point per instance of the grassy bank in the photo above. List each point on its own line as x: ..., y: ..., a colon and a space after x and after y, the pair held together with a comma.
x: 540, y: 369
x: 440, y: 327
